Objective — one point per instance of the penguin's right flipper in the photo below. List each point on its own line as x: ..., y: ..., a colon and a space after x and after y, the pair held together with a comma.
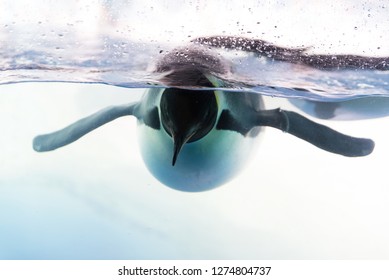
x: 73, y: 132
x: 293, y: 123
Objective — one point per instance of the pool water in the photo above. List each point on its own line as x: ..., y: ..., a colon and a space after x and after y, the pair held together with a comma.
x: 95, y: 199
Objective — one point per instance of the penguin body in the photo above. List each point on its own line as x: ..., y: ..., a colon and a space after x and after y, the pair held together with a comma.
x: 195, y: 140
x: 208, y: 162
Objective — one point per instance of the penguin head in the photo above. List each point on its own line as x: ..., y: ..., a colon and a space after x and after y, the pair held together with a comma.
x: 187, y: 115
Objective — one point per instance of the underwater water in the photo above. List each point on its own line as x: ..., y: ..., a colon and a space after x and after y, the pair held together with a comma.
x: 95, y: 199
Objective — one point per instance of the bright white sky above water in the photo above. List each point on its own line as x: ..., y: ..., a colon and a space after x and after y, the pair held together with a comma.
x: 340, y: 26
x: 96, y: 199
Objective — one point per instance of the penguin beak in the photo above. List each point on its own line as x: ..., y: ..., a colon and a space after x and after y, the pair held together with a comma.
x: 179, y: 141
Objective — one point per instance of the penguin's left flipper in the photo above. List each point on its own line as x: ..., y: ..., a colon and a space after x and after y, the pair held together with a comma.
x: 293, y: 123
x: 73, y: 132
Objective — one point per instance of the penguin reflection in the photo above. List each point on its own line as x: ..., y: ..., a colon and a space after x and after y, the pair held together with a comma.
x: 196, y: 140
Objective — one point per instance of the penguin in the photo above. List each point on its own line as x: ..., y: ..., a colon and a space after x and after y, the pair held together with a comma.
x: 193, y: 135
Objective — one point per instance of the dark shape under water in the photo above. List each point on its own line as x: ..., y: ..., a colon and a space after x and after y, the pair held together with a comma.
x: 194, y: 140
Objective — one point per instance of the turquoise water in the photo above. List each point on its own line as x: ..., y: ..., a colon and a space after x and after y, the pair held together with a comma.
x: 95, y: 199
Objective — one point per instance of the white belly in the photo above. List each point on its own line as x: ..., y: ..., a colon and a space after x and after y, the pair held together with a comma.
x: 202, y: 165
